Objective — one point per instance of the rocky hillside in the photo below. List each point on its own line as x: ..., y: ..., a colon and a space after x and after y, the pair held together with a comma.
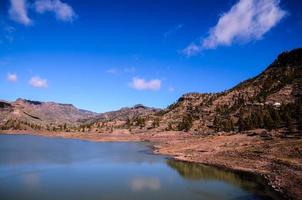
x: 127, y: 119
x: 26, y: 114
x: 271, y: 100
x: 35, y: 115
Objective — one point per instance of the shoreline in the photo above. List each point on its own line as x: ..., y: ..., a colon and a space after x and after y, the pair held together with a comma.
x: 227, y: 152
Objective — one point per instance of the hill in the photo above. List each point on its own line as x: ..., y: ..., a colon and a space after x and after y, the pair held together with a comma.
x: 271, y: 100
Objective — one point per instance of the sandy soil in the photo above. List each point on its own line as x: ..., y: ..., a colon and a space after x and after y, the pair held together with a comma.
x: 279, y: 160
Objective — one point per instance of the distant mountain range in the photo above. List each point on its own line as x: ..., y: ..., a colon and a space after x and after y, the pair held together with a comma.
x: 271, y: 100
x: 27, y: 114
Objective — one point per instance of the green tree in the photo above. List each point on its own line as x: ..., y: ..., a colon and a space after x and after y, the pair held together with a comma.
x: 140, y: 122
x: 128, y: 123
x: 155, y: 123
x: 269, y: 122
x: 185, y: 124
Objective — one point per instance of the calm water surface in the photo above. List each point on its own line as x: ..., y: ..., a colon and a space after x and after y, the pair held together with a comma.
x: 38, y: 168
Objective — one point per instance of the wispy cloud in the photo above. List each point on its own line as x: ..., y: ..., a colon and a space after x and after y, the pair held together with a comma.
x: 141, y: 84
x: 112, y: 71
x: 12, y: 77
x: 192, y: 49
x: 116, y: 71
x: 7, y: 33
x: 173, y: 30
x: 4, y: 61
x: 18, y: 12
x: 38, y: 82
x: 63, y: 11
x: 247, y: 20
x: 130, y: 69
x: 171, y: 89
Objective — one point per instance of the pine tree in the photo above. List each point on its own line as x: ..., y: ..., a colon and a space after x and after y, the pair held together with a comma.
x: 128, y: 123
x: 269, y: 122
x: 185, y: 124
x: 241, y: 124
x: 216, y: 124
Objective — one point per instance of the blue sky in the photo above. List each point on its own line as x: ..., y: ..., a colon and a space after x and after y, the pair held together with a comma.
x: 104, y: 55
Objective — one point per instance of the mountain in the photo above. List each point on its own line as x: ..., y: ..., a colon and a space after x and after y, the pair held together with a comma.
x: 23, y: 114
x: 131, y: 118
x: 271, y: 100
x: 27, y: 115
x: 123, y: 114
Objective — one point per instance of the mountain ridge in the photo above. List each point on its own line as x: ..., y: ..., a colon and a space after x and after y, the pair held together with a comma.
x: 270, y: 100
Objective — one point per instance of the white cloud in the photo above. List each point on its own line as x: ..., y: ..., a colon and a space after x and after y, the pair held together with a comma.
x: 142, y: 84
x: 63, y: 11
x: 12, y: 77
x: 18, y: 12
x: 247, y: 20
x: 191, y: 50
x: 38, y: 82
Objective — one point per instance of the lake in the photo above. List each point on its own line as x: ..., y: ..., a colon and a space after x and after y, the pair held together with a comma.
x: 40, y: 168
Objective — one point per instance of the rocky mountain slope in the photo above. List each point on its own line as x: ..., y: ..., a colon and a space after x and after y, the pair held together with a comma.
x: 271, y: 100
x: 27, y: 114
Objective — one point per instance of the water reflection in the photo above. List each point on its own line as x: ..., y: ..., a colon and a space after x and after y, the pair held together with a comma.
x: 144, y: 183
x: 37, y: 168
x: 22, y: 150
x: 195, y: 171
x: 31, y: 180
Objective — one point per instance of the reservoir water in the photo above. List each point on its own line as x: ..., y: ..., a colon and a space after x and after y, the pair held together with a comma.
x: 40, y: 168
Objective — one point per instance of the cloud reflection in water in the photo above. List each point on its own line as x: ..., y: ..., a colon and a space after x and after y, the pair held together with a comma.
x: 144, y: 183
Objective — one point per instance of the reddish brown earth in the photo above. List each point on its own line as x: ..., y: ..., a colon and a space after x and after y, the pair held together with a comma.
x: 279, y: 160
x: 98, y: 137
